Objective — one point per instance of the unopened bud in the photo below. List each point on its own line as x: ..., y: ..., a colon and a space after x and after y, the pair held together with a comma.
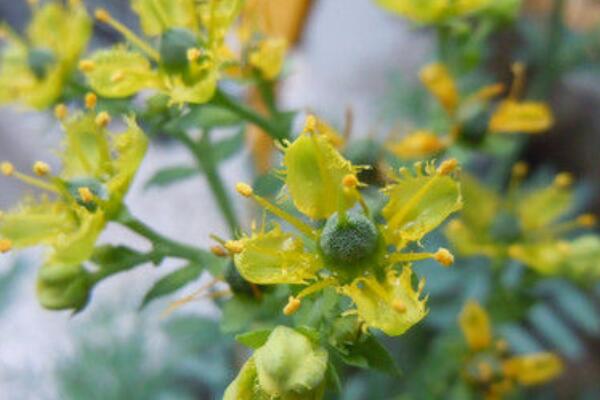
x: 40, y: 168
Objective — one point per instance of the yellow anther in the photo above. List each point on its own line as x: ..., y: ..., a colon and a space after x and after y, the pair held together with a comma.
x: 310, y: 124
x: 193, y: 54
x: 447, y: 167
x: 86, y: 65
x: 485, y: 371
x: 40, y: 168
x: 520, y: 169
x: 244, y: 189
x: 587, y: 220
x: 218, y: 251
x: 5, y: 245
x: 234, y: 246
x: 421, y: 285
x: 515, y: 251
x: 61, y: 111
x: 292, y: 306
x: 399, y: 306
x: 563, y: 180
x: 444, y: 257
x: 90, y: 100
x: 102, y: 119
x: 350, y: 181
x: 501, y: 346
x: 102, y: 15
x: 455, y: 224
x: 117, y: 76
x: 7, y: 168
x: 86, y: 194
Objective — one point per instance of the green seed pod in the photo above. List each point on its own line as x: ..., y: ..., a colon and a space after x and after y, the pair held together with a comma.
x: 63, y: 287
x: 40, y: 60
x: 238, y: 284
x: 506, y: 227
x: 174, y: 45
x: 290, y: 366
x: 352, y: 243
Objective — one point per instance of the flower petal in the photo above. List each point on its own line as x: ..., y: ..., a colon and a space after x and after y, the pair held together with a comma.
x: 417, y: 145
x: 392, y: 306
x: 538, y: 208
x: 533, y: 369
x: 475, y: 325
x: 158, y: 16
x: 441, y: 84
x: 521, y: 117
x: 275, y: 257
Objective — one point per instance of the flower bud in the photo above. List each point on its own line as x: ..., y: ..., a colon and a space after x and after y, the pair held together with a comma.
x: 63, y: 287
x: 291, y: 366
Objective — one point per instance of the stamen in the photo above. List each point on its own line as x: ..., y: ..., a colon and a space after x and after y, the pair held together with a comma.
x: 399, y: 306
x: 234, y: 246
x: 5, y: 245
x: 447, y: 167
x: 350, y: 181
x: 187, y: 299
x: 103, y: 16
x: 61, y: 111
x: 587, y: 220
x: 316, y: 287
x: 292, y: 306
x: 518, y: 70
x: 102, y: 119
x: 444, y: 257
x: 40, y: 168
x: 218, y: 251
x: 90, y: 100
x: 310, y: 125
x: 86, y: 194
x: 86, y: 65
x: 563, y: 180
x: 193, y: 54
x: 409, y: 257
x: 7, y: 168
x: 244, y: 189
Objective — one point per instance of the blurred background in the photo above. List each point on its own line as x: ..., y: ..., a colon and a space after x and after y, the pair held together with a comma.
x: 351, y: 56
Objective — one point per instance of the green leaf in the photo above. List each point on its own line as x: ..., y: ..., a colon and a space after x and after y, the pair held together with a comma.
x: 170, y: 175
x: 226, y: 148
x: 254, y: 339
x: 206, y: 116
x: 172, y: 282
x: 556, y: 331
x: 333, y: 378
x: 369, y: 353
x: 113, y: 259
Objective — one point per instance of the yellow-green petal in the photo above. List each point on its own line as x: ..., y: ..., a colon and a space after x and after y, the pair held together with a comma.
x: 119, y: 72
x: 475, y: 325
x: 269, y: 56
x: 158, y: 16
x: 392, y: 306
x: 245, y: 385
x: 201, y: 90
x: 540, y: 207
x: 533, y: 369
x: 314, y: 174
x: 275, y: 257
x: 419, y: 203
x: 77, y: 246
x: 521, y: 117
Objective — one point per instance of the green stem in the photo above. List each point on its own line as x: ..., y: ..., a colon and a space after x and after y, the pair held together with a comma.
x: 203, y: 152
x: 550, y: 68
x: 250, y: 115
x: 162, y: 246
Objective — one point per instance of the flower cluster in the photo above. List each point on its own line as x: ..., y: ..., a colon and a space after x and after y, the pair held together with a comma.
x: 473, y: 117
x: 185, y: 53
x: 97, y: 169
x: 35, y: 69
x: 490, y: 368
x: 351, y: 250
x: 527, y: 225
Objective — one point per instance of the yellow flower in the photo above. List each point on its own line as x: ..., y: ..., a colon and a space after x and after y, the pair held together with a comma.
x: 417, y: 145
x: 438, y: 80
x: 350, y: 252
x: 269, y: 56
x: 490, y: 368
x: 35, y: 68
x: 433, y: 11
x: 97, y: 169
x: 526, y: 225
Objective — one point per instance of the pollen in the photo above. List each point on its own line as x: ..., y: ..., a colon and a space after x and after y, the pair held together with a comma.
x: 102, y: 119
x: 90, y: 100
x: 40, y: 168
x: 7, y: 168
x: 292, y: 306
x: 587, y: 220
x: 102, y: 15
x: 86, y: 194
x: 61, y: 111
x: 520, y: 169
x: 448, y: 166
x: 218, y: 251
x: 244, y: 189
x: 193, y: 54
x: 399, y: 306
x: 350, y: 181
x: 234, y: 246
x: 444, y: 257
x: 117, y: 76
x: 86, y: 65
x: 5, y: 245
x: 563, y: 180
x: 310, y: 124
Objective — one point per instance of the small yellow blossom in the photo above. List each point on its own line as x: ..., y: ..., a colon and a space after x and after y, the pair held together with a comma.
x: 40, y: 168
x: 7, y: 168
x: 102, y: 119
x: 90, y: 100
x: 244, y: 189
x: 440, y: 82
